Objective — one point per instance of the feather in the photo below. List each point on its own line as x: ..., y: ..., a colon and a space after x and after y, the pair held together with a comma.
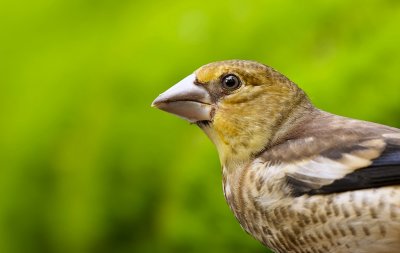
x: 347, y: 168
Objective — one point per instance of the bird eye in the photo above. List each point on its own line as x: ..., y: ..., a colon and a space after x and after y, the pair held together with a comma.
x: 230, y: 82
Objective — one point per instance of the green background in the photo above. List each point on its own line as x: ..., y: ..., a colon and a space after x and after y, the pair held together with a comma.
x: 86, y: 165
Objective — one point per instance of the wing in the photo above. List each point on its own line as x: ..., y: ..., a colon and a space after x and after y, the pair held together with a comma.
x: 345, y: 166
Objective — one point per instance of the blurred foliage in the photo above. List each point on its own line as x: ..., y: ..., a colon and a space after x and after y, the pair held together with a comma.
x: 86, y: 165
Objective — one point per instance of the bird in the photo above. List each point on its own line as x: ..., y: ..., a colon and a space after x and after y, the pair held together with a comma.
x: 297, y: 178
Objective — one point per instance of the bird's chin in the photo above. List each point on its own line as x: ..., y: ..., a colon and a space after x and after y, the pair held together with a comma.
x: 203, y: 123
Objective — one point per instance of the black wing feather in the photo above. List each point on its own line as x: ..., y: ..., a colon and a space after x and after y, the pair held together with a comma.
x: 390, y: 156
x: 384, y: 171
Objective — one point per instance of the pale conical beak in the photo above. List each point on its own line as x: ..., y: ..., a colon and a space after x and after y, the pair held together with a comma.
x: 186, y: 100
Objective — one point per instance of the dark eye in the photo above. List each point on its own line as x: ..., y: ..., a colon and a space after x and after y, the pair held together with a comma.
x: 230, y: 82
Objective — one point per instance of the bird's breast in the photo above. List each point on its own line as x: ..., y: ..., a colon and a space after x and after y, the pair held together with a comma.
x: 357, y: 221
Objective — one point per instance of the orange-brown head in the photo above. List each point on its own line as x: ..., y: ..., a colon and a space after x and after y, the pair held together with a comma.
x: 241, y: 105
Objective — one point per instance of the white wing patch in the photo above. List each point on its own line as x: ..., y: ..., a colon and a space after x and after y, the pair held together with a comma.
x: 392, y: 136
x: 319, y: 170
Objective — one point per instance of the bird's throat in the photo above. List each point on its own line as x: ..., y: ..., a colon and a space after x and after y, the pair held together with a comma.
x: 239, y: 140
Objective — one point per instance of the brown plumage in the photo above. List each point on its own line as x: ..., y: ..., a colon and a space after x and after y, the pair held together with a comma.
x: 298, y: 179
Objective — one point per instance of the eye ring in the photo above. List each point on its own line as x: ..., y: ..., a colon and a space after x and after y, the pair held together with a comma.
x: 230, y: 82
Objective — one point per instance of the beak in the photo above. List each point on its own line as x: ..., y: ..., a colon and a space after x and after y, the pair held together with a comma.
x: 186, y: 100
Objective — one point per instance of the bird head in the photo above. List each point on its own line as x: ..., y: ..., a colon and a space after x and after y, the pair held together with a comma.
x: 241, y: 105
